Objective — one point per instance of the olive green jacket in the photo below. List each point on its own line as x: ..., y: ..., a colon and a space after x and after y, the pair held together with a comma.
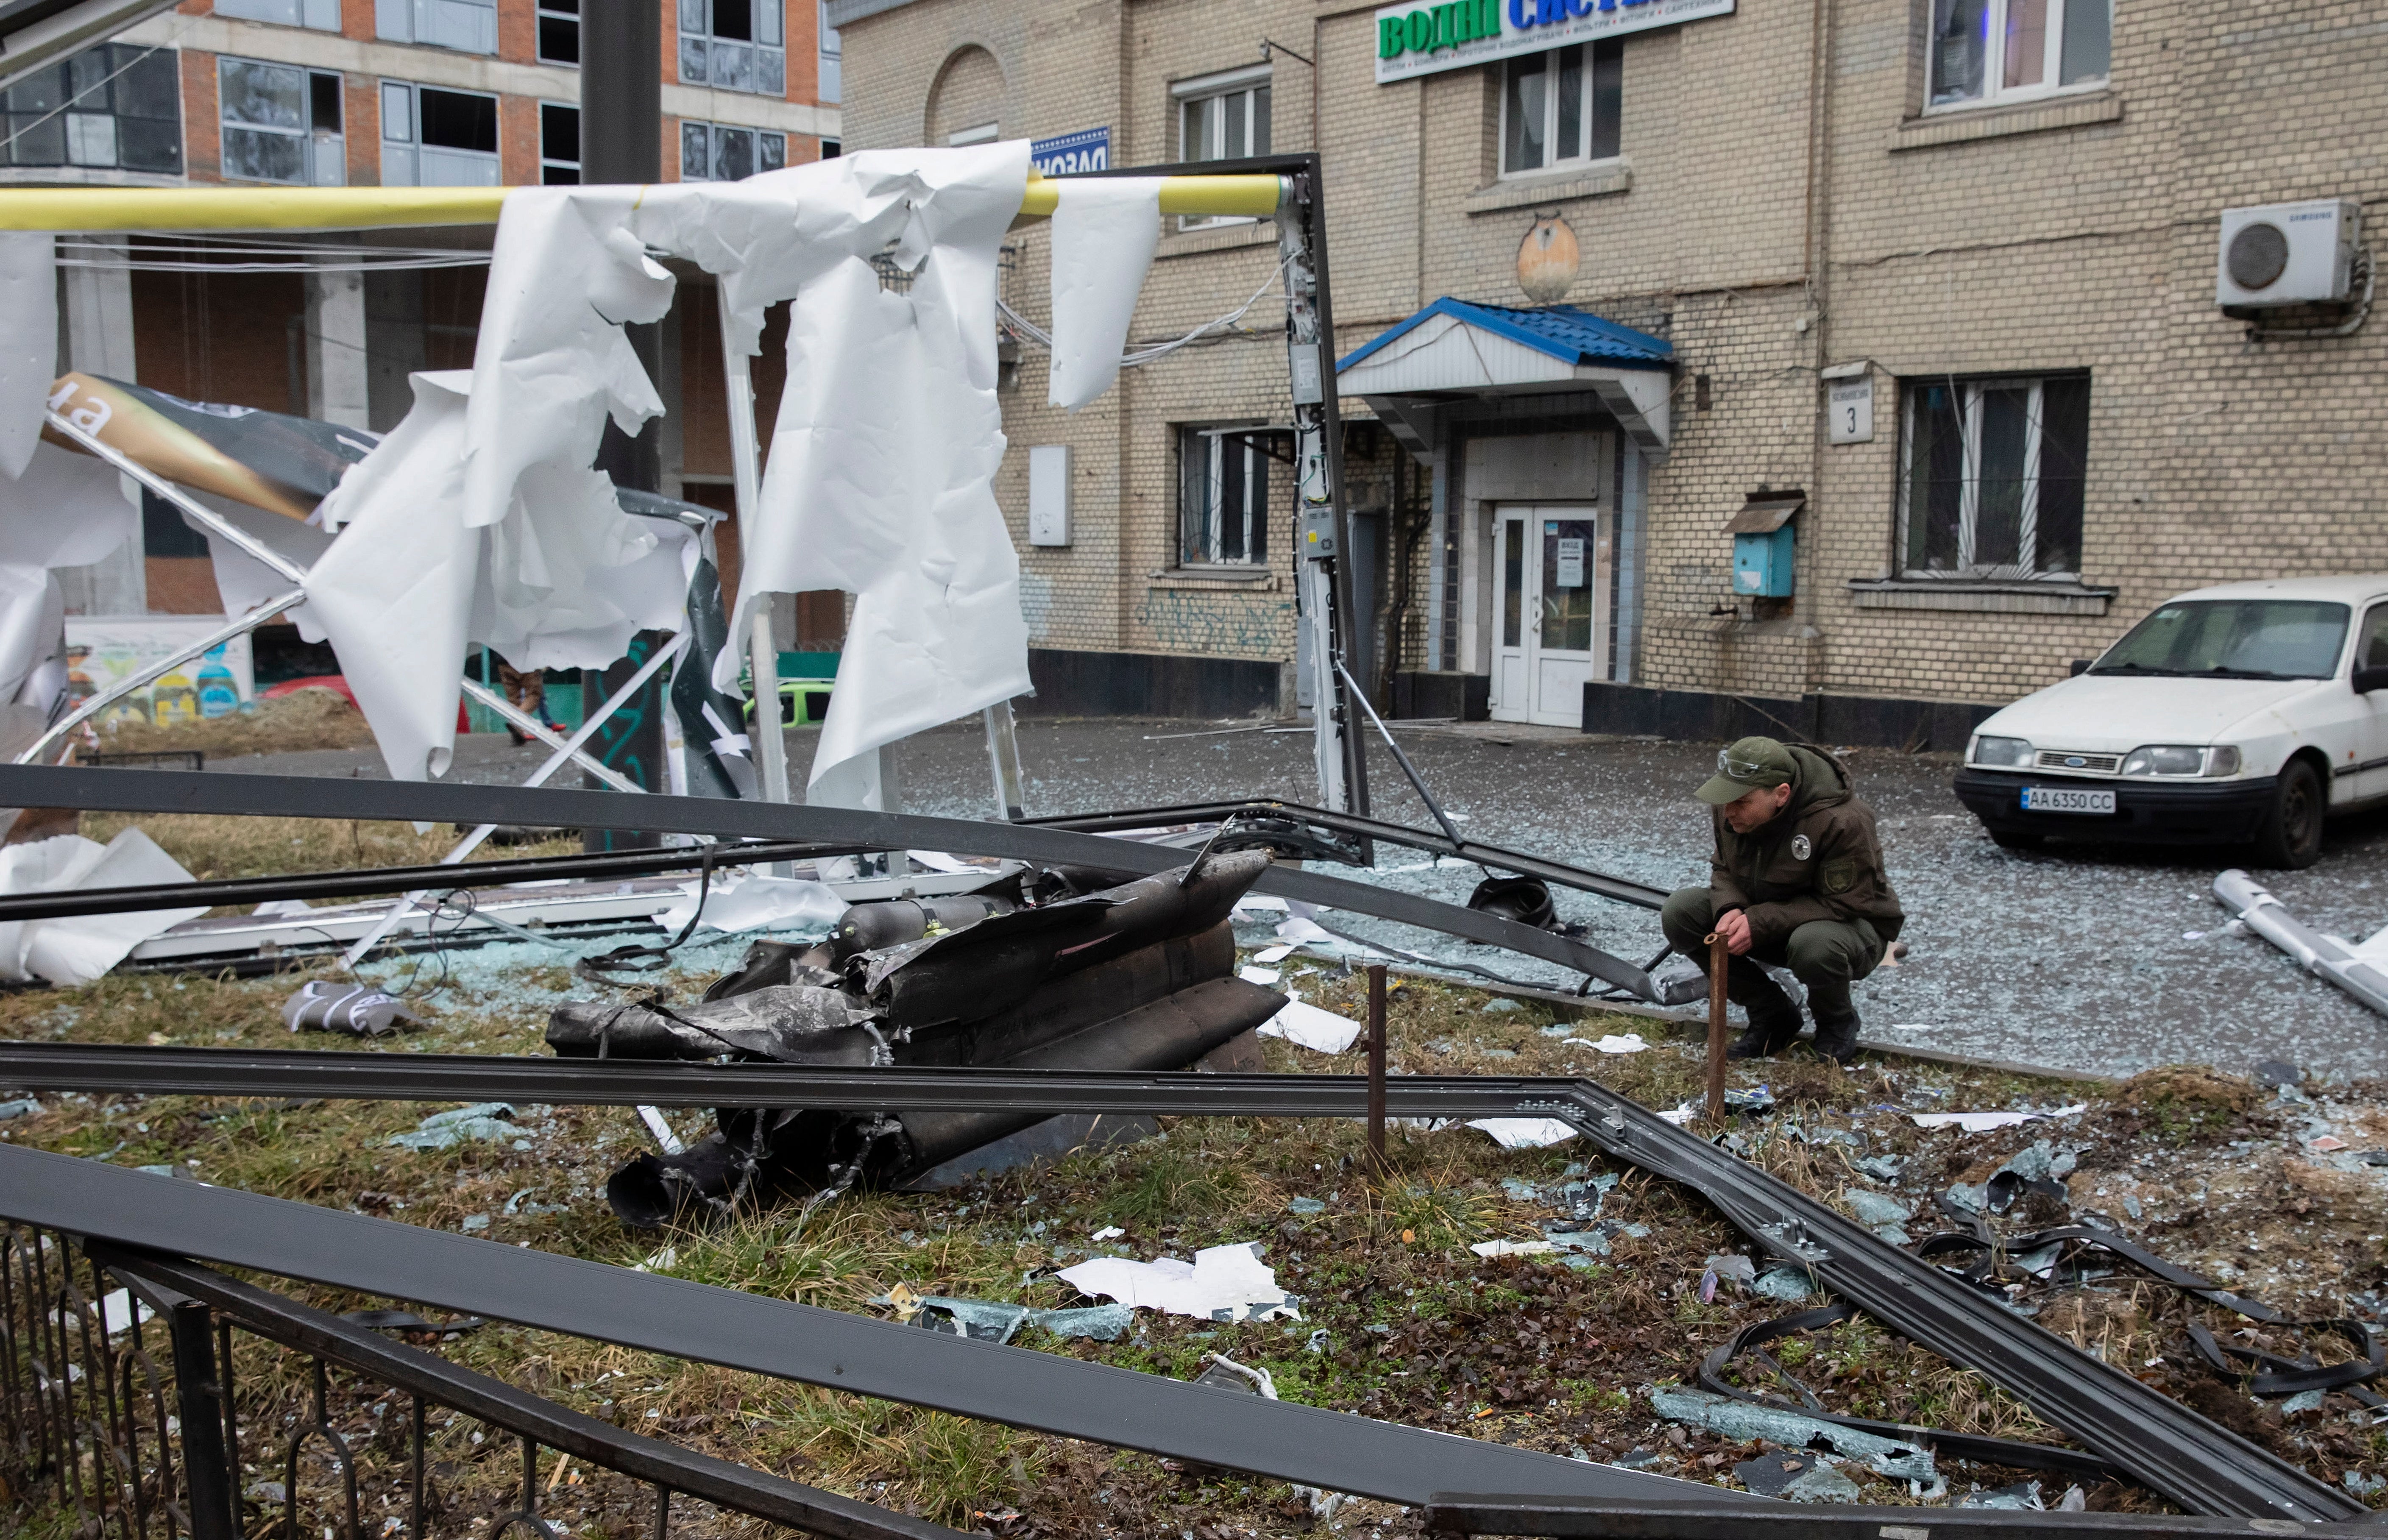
x: 1816, y: 860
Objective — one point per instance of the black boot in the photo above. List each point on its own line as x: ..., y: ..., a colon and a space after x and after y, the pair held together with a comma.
x: 1836, y: 1035
x: 1768, y: 1032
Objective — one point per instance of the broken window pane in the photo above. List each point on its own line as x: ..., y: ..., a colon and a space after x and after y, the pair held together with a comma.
x: 733, y: 154
x: 459, y: 120
x: 256, y: 155
x: 695, y: 152
x: 266, y: 95
x: 771, y: 152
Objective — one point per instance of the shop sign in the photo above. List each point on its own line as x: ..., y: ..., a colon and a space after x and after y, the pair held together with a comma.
x: 1088, y: 149
x: 1415, y: 39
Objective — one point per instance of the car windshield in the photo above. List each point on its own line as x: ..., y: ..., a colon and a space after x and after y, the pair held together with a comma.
x: 2233, y: 638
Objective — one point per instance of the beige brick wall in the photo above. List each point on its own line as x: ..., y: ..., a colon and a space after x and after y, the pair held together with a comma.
x: 2081, y: 239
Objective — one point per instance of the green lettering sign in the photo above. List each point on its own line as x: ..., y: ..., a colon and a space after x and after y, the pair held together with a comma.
x: 1421, y: 31
x: 1392, y: 36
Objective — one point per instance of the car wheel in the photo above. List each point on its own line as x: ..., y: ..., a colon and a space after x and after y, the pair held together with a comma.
x: 2291, y: 832
x: 2017, y: 839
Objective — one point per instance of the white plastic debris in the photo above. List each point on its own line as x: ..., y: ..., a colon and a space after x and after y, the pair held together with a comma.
x: 1109, y: 1233
x: 755, y: 902
x: 1226, y: 1283
x: 1299, y: 930
x: 1105, y: 230
x: 29, y: 342
x: 1305, y: 1025
x: 1513, y: 1248
x: 79, y: 948
x: 1272, y: 954
x: 1975, y: 1123
x: 1628, y: 1042
x: 1524, y: 1133
x: 1258, y: 976
x: 1260, y: 903
x: 937, y: 860
x: 2361, y: 971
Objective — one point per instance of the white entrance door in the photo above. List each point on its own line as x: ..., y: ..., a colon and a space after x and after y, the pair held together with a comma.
x: 1545, y: 561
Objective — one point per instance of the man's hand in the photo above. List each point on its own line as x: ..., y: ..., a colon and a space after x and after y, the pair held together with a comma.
x: 1733, y: 925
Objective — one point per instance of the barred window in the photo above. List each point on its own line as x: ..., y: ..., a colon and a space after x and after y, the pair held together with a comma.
x: 1223, y: 500
x: 1992, y: 476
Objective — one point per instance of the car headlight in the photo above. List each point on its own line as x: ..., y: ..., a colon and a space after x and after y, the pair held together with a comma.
x: 2183, y: 760
x: 1999, y: 753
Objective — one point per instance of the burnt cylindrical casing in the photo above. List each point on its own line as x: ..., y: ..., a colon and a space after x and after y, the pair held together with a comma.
x: 1167, y: 1034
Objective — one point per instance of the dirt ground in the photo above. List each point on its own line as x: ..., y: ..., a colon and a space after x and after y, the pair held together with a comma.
x: 1557, y: 1352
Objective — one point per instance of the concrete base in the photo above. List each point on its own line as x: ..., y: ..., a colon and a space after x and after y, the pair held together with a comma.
x: 1463, y: 697
x: 1706, y: 715
x: 1147, y: 684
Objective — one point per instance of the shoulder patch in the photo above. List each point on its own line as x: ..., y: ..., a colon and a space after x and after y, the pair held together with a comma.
x: 1837, y: 876
x: 1800, y: 848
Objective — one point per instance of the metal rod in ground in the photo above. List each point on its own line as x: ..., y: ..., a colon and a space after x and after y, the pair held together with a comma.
x: 1376, y: 1067
x: 1718, y: 956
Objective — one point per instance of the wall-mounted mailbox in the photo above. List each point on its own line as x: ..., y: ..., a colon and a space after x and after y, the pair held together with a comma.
x: 1762, y: 544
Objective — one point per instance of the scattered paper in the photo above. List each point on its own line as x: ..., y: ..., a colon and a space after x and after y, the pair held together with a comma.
x: 1223, y: 1283
x: 1681, y: 1116
x: 1975, y: 1123
x: 1272, y: 954
x: 937, y: 860
x: 1299, y: 930
x: 1512, y: 1248
x: 755, y: 902
x: 1109, y: 1233
x: 1629, y: 1042
x: 1255, y: 903
x: 1258, y: 976
x: 1305, y: 1025
x: 1524, y: 1133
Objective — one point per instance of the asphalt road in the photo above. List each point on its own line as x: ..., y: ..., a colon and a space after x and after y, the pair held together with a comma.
x: 2105, y: 958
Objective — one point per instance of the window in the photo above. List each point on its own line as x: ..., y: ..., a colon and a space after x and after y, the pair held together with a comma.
x: 2002, y: 50
x: 833, y: 60
x: 981, y: 133
x: 1223, y: 494
x: 1555, y: 112
x: 321, y: 15
x: 831, y: 149
x: 1223, y: 116
x: 467, y: 26
x: 1992, y: 477
x: 734, y: 45
x: 559, y: 31
x: 559, y: 144
x: 111, y: 107
x: 715, y: 152
x: 434, y: 138
x: 281, y: 123
x: 2245, y: 638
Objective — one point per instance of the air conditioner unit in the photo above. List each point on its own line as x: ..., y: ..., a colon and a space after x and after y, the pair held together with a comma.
x: 2287, y: 254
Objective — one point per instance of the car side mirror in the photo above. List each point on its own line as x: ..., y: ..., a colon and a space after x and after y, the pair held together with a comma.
x: 2080, y: 667
x: 2369, y: 680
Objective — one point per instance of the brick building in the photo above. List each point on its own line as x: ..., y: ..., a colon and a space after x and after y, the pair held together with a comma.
x: 1920, y: 294
x: 450, y: 93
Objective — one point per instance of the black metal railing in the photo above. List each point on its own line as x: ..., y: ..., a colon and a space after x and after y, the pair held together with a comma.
x: 119, y: 1446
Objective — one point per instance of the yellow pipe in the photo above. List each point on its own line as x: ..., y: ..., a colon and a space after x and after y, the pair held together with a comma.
x: 381, y: 208
x: 245, y: 208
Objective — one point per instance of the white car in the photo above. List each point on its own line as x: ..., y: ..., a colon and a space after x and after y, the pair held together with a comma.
x: 2241, y: 715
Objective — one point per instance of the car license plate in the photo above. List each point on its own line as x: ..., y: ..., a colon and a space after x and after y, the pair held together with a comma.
x: 2066, y: 799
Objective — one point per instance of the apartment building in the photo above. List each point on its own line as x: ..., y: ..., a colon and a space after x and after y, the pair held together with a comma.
x: 1847, y: 366
x: 389, y: 93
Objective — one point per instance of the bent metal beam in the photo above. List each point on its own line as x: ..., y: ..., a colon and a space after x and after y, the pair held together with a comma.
x: 1018, y: 1386
x: 152, y: 791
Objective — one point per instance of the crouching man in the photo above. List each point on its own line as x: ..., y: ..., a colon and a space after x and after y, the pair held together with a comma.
x: 1797, y: 882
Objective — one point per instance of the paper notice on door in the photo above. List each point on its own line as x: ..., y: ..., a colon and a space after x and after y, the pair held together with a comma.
x: 1570, y: 563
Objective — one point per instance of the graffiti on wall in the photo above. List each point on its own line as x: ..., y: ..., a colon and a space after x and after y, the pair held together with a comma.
x: 1212, y: 624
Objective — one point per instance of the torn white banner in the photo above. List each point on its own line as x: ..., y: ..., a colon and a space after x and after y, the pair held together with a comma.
x: 29, y: 342
x: 64, y: 510
x: 1105, y: 230
x: 1305, y: 1025
x: 410, y: 582
x: 80, y: 947
x: 1223, y: 1283
x: 880, y: 479
x: 550, y: 363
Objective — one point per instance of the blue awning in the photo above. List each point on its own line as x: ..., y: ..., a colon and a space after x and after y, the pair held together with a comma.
x: 1455, y: 349
x: 1562, y: 332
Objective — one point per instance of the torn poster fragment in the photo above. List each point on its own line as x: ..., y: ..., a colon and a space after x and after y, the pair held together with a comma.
x: 1305, y: 1025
